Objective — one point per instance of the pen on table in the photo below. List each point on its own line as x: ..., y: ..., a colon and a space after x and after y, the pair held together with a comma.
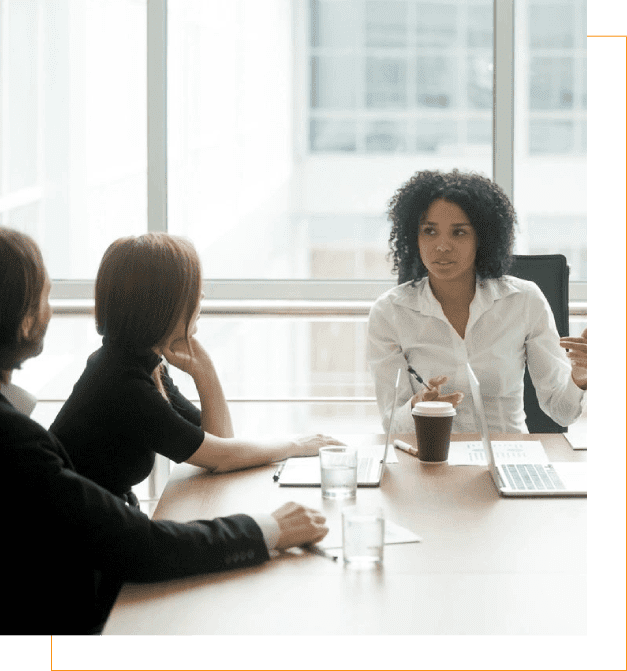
x: 413, y: 372
x: 315, y: 550
x: 278, y: 471
x: 406, y: 447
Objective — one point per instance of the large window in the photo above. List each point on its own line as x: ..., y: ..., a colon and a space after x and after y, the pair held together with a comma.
x: 401, y: 77
x: 550, y: 129
x: 287, y: 125
x: 73, y: 126
x: 282, y: 159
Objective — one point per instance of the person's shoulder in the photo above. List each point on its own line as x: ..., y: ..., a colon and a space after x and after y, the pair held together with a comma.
x: 400, y: 293
x: 23, y: 438
x: 510, y: 285
x: 517, y: 282
x: 15, y: 424
x: 94, y: 367
x: 115, y: 371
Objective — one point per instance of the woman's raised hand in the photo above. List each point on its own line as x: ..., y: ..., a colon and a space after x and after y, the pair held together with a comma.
x: 190, y: 361
x: 577, y: 352
x: 433, y: 394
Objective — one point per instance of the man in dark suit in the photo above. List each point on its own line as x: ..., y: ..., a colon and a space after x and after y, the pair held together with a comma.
x: 68, y: 543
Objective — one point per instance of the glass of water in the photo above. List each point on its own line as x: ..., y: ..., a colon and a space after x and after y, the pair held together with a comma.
x: 363, y: 533
x: 338, y: 472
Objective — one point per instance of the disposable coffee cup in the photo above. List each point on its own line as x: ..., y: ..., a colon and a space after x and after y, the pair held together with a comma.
x: 433, y: 421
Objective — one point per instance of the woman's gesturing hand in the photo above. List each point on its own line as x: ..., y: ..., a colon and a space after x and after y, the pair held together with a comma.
x: 434, y: 393
x: 577, y: 352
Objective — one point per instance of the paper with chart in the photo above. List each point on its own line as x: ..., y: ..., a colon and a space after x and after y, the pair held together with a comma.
x: 471, y: 453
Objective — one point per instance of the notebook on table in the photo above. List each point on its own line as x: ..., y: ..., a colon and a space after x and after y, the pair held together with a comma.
x: 371, y: 461
x: 523, y: 480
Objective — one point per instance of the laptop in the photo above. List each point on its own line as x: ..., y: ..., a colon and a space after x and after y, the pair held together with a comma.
x: 305, y: 471
x: 523, y: 480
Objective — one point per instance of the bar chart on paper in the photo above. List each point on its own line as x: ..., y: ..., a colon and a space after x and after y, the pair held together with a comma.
x: 471, y: 453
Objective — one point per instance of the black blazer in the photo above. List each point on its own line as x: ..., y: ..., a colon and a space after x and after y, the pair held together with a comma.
x: 69, y: 544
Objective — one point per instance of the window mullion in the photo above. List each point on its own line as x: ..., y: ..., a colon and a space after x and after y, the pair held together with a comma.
x: 503, y: 96
x: 156, y: 73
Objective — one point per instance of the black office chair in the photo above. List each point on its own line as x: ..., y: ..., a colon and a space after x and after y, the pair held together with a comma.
x: 550, y: 273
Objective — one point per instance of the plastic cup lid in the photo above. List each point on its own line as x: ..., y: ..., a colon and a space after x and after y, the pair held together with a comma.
x: 434, y: 409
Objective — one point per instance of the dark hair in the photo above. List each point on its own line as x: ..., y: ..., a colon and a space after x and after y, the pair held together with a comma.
x: 484, y: 202
x: 22, y: 279
x: 144, y: 286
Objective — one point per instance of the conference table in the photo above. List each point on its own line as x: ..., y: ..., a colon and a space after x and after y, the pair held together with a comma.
x: 485, y: 564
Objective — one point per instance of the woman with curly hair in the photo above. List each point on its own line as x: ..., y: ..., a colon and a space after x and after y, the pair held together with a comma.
x: 452, y: 238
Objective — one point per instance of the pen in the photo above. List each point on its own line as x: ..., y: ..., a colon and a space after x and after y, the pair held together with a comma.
x: 315, y: 550
x: 406, y: 447
x: 278, y: 471
x: 413, y: 372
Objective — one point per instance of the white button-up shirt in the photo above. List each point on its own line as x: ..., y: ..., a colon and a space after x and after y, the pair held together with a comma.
x: 510, y: 324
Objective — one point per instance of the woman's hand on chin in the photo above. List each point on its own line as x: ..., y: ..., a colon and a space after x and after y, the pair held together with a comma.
x: 434, y: 394
x: 178, y: 354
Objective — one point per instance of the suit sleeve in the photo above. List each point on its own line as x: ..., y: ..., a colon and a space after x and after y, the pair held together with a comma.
x: 124, y: 542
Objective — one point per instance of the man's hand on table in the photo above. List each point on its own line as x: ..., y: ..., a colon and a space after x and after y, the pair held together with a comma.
x: 299, y: 525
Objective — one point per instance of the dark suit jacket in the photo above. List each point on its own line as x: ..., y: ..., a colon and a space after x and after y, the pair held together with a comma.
x: 69, y: 544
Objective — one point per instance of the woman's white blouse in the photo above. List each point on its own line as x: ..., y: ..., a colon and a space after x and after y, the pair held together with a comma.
x: 510, y: 323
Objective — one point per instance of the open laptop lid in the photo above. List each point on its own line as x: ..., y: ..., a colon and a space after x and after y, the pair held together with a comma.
x: 571, y: 477
x: 387, y: 436
x: 482, y: 423
x: 384, y: 459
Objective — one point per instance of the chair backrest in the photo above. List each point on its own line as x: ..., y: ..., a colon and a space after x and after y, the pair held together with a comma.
x: 550, y: 273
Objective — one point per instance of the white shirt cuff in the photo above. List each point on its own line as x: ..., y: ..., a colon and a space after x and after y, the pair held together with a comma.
x: 269, y: 528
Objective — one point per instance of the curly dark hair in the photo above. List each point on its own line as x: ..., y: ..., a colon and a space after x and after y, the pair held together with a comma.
x: 484, y: 202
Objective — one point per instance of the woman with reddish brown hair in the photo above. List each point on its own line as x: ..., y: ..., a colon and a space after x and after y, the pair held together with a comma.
x: 148, y: 293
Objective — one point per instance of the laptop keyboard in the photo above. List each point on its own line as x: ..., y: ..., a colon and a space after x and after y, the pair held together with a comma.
x: 532, y: 477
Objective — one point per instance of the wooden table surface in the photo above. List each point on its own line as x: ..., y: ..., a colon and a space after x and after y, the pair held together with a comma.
x: 486, y: 565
